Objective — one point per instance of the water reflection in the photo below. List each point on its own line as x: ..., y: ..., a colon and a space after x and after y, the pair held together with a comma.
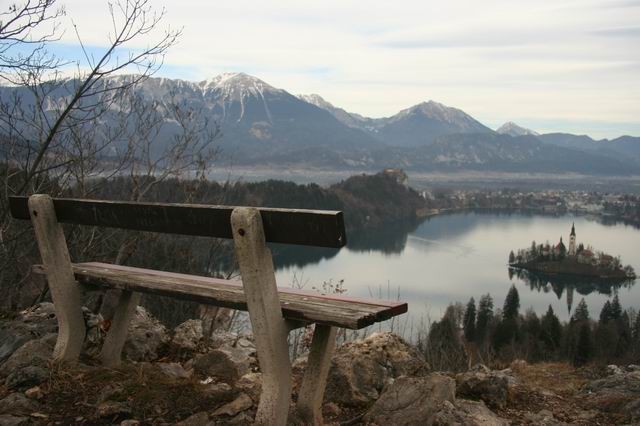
x: 451, y: 257
x: 567, y: 284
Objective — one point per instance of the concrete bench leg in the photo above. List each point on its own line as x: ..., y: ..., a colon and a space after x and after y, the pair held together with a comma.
x: 65, y: 292
x: 310, y: 397
x: 269, y: 328
x: 114, y: 342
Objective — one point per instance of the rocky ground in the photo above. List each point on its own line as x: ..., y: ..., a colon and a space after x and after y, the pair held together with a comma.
x: 175, y: 376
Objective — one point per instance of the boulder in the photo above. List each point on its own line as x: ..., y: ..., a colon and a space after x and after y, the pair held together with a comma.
x: 30, y: 324
x: 225, y: 364
x: 486, y: 385
x: 241, y: 403
x: 17, y: 404
x: 198, y: 419
x: 174, y: 370
x: 412, y: 400
x: 27, y: 377
x: 40, y: 321
x: 29, y: 365
x: 360, y: 369
x: 113, y: 409
x: 543, y: 418
x: 145, y: 337
x: 188, y: 335
x: 467, y: 413
x: 10, y: 420
x: 251, y: 384
x: 618, y: 392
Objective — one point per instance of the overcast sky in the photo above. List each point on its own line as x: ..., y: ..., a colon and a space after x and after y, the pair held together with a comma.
x: 571, y: 66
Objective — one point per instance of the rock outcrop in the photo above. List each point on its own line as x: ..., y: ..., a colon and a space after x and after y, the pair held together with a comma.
x: 619, y: 391
x: 428, y: 400
x: 412, y: 400
x: 483, y: 384
x: 361, y: 369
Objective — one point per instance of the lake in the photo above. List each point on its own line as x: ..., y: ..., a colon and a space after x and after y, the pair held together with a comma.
x: 450, y: 258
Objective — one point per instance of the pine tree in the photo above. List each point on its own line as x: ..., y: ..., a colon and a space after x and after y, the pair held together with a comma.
x: 485, y: 314
x: 616, y: 309
x: 582, y: 312
x: 512, y: 257
x: 469, y: 321
x: 605, y: 313
x: 635, y: 332
x: 624, y: 334
x: 583, y: 348
x: 511, y: 304
x: 550, y: 329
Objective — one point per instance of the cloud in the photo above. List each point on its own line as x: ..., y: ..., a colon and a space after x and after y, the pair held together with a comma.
x: 626, y: 32
x: 574, y: 61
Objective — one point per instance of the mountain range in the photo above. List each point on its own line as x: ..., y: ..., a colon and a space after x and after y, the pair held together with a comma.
x: 269, y: 127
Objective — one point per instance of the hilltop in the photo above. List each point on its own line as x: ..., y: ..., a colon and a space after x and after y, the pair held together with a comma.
x: 182, y: 375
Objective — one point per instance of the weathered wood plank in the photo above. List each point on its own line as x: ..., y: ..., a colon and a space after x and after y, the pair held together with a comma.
x: 334, y: 310
x: 322, y: 228
x: 65, y: 294
x: 267, y: 322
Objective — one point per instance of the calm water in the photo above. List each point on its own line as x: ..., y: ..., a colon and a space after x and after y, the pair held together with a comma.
x: 452, y: 257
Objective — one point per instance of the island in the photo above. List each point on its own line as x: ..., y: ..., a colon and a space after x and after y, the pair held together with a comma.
x: 574, y: 260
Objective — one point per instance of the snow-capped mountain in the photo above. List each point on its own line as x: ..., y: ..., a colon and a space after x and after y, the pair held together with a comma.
x: 421, y: 124
x: 512, y: 129
x: 349, y: 118
x: 417, y: 125
x: 267, y: 126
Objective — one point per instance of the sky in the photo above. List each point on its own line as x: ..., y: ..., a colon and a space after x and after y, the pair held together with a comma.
x: 567, y: 66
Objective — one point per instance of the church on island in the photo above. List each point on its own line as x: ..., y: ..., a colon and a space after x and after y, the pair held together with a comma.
x: 576, y: 260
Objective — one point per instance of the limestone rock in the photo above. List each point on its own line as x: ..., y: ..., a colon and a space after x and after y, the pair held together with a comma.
x: 34, y: 393
x: 227, y: 365
x: 174, y: 370
x: 27, y: 377
x: 146, y: 335
x: 17, y: 404
x: 613, y: 369
x: 218, y: 391
x: 111, y: 409
x: 198, y: 419
x: 467, y: 413
x: 412, y: 400
x: 9, y: 420
x: 35, y: 352
x: 617, y: 392
x: 360, y: 369
x: 241, y: 403
x: 188, y: 335
x: 480, y: 383
x: 543, y: 418
x: 251, y: 384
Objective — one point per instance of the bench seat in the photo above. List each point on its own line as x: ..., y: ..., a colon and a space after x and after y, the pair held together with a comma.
x: 306, y: 306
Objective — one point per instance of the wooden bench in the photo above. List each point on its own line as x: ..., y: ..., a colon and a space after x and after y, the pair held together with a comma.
x: 273, y: 311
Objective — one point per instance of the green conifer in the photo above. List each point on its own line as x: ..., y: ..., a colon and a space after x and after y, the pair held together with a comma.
x: 469, y: 321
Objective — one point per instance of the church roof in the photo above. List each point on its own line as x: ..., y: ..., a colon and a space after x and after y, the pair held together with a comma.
x: 573, y: 230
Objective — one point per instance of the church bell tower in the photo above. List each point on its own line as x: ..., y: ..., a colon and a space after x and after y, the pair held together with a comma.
x: 572, y: 241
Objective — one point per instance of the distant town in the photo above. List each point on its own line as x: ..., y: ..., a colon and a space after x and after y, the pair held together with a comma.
x: 612, y: 206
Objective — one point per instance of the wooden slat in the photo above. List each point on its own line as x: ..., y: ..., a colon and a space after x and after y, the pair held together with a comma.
x: 334, y: 310
x: 322, y: 228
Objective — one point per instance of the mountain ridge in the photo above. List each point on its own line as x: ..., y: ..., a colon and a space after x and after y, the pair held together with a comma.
x: 267, y: 126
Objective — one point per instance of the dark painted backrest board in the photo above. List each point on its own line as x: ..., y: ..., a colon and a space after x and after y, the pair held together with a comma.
x: 322, y: 228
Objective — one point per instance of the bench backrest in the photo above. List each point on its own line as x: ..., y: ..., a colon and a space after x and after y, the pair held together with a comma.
x: 322, y: 228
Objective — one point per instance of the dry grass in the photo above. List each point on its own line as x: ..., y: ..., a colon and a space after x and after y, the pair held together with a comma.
x: 73, y: 396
